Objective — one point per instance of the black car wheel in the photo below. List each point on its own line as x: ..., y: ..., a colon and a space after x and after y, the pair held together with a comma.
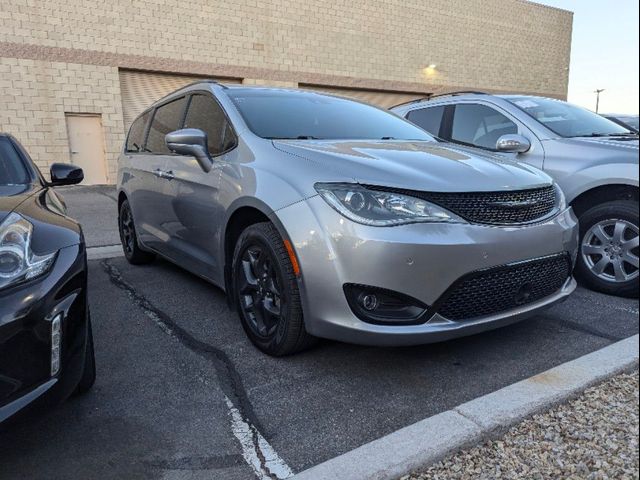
x: 129, y: 239
x: 266, y: 292
x: 608, y: 254
x: 89, y: 372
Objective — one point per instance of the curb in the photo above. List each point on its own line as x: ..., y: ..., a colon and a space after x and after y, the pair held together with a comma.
x: 425, y: 442
x: 110, y: 251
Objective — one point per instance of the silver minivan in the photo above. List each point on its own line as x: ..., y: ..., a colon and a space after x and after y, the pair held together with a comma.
x: 594, y: 160
x: 325, y: 217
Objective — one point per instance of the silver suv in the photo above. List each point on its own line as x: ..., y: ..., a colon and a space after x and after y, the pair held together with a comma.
x: 594, y: 160
x: 325, y: 217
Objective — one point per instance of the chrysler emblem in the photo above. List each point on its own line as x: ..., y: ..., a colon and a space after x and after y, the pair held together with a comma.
x: 516, y: 204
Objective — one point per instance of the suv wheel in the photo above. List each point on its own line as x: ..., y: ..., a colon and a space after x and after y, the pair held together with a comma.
x: 608, y: 255
x: 129, y: 239
x: 266, y: 292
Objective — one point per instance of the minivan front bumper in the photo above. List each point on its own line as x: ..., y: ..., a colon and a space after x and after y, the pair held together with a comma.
x: 421, y: 261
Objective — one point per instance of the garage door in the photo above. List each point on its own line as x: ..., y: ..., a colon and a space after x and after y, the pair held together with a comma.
x: 375, y: 97
x: 141, y: 89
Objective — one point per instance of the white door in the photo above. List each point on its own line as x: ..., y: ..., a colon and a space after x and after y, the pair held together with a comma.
x: 86, y: 146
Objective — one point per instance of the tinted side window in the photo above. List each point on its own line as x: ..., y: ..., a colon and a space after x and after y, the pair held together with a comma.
x: 12, y: 170
x: 428, y: 119
x: 205, y: 113
x: 480, y: 125
x: 135, y: 139
x: 167, y: 118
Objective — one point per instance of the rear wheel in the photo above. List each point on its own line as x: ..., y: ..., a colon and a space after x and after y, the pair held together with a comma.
x: 608, y: 256
x: 129, y: 239
x: 266, y: 292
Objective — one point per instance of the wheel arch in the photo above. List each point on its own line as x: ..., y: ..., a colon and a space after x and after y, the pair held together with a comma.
x: 603, y: 193
x: 243, y: 213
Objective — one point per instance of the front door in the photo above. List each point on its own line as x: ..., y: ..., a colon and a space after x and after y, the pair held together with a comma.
x: 196, y: 215
x: 86, y: 146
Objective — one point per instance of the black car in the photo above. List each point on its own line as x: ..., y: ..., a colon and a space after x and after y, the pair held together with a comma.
x: 46, y: 345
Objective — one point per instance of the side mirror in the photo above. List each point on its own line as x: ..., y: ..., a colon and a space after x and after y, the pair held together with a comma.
x: 513, y: 143
x: 192, y: 142
x: 65, y: 174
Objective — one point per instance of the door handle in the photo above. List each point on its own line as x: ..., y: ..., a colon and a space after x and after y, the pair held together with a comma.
x: 164, y: 174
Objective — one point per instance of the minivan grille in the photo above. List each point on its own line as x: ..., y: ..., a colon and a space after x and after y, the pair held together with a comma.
x: 499, y: 289
x: 521, y: 206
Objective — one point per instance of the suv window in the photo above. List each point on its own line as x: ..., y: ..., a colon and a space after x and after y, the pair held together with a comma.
x: 167, y: 118
x: 135, y: 139
x: 480, y: 126
x: 205, y: 113
x: 428, y: 119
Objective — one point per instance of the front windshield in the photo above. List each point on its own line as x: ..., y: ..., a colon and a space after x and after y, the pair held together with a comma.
x: 12, y: 169
x: 284, y: 114
x: 568, y: 120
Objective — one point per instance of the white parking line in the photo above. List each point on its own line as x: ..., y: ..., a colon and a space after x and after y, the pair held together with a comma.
x: 257, y: 452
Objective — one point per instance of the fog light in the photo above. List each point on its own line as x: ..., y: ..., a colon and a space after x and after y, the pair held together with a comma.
x: 369, y: 302
x: 56, y: 338
x: 381, y: 306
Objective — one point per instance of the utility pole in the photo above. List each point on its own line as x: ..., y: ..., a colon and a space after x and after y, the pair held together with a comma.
x: 597, y: 92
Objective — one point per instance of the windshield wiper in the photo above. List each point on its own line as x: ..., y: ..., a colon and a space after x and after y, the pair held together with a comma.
x: 299, y: 137
x: 596, y: 134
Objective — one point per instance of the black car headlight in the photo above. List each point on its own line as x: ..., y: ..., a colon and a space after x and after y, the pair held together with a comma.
x: 18, y: 263
x: 380, y: 208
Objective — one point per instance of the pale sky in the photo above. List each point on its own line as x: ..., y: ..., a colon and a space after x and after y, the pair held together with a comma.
x: 604, y: 53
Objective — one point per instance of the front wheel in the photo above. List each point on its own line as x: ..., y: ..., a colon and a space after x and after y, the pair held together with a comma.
x: 608, y: 255
x: 266, y: 292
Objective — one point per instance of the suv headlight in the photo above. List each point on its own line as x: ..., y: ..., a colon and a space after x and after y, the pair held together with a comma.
x: 561, y: 200
x: 17, y: 262
x: 381, y: 208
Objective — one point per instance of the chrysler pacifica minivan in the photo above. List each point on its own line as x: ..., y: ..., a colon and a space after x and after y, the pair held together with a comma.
x: 325, y: 217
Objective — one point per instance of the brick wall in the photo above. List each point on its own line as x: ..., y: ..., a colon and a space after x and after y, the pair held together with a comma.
x: 36, y: 95
x: 60, y: 56
x: 496, y: 44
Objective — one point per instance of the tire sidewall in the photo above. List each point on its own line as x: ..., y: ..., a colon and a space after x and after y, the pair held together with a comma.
x: 127, y: 254
x: 254, y: 236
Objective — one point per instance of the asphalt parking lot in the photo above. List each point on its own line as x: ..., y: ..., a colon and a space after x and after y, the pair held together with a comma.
x: 181, y: 392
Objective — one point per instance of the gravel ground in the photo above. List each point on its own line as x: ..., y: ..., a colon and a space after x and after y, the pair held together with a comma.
x: 593, y: 437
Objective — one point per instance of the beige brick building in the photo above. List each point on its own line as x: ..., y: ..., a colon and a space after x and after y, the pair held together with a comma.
x: 67, y: 60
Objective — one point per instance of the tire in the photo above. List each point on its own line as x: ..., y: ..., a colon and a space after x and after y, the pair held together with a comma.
x: 89, y: 372
x: 129, y: 238
x: 610, y: 228
x: 266, y: 294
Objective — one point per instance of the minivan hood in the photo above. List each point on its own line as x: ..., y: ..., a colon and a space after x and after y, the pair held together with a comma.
x: 417, y: 165
x: 611, y: 144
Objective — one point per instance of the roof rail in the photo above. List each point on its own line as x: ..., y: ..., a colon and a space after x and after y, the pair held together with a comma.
x: 459, y: 92
x: 435, y: 95
x: 415, y: 100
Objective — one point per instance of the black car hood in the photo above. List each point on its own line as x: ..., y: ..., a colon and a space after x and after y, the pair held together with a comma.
x: 11, y: 196
x: 52, y: 229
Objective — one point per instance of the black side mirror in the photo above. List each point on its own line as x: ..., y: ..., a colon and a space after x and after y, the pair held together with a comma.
x: 65, y: 174
x: 192, y: 142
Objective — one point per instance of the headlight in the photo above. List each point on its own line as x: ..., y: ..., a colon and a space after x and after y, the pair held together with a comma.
x: 381, y: 208
x: 17, y: 262
x: 561, y: 200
